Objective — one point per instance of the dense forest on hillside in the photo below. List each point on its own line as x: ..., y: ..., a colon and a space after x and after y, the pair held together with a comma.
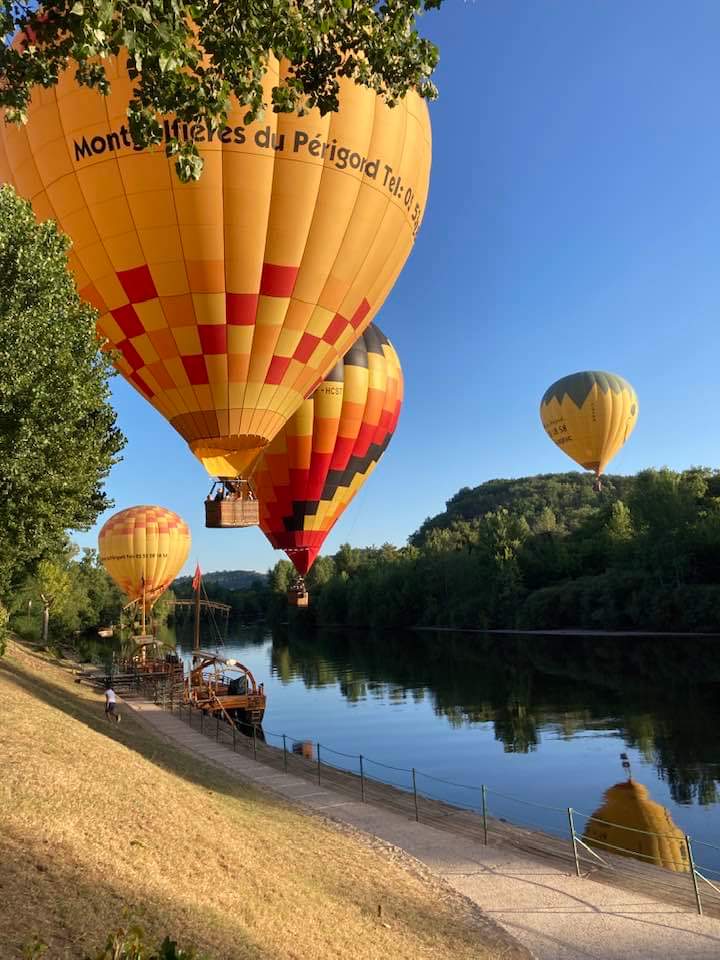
x: 540, y: 552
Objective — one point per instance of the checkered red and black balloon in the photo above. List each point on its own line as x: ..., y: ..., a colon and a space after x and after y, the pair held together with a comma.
x: 311, y: 471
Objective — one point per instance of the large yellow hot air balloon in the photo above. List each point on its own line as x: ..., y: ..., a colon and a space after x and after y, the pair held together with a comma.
x: 229, y: 299
x: 143, y: 549
x: 590, y: 415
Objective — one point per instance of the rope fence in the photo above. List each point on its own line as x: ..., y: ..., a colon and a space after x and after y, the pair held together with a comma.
x: 669, y: 863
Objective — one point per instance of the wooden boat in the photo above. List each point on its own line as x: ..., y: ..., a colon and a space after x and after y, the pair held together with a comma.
x: 225, y: 687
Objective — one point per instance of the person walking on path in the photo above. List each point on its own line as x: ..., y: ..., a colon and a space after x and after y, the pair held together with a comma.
x: 111, y: 704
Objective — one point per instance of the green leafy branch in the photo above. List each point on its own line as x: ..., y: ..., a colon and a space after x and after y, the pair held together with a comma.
x: 190, y: 58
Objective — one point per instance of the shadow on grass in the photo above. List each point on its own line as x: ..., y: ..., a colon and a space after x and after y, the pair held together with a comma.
x: 130, y: 733
x: 73, y: 904
x: 407, y: 907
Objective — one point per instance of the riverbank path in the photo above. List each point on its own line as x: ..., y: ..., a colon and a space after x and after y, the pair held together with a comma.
x: 553, y: 913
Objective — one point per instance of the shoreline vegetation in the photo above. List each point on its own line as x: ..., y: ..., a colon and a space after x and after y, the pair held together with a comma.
x: 536, y: 554
x: 99, y: 820
x: 545, y: 554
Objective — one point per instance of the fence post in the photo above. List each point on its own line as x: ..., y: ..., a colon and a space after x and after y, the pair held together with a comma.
x: 254, y: 743
x: 693, y: 874
x: 318, y: 752
x: 284, y: 753
x: 574, y: 841
x: 362, y: 780
x: 417, y: 816
x: 484, y: 811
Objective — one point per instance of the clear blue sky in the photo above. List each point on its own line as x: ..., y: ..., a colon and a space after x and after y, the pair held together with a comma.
x: 573, y: 223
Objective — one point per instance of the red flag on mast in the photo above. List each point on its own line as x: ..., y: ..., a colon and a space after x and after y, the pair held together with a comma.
x: 197, y: 578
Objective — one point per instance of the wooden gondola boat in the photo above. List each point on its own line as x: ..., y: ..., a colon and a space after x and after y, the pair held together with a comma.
x: 226, y: 688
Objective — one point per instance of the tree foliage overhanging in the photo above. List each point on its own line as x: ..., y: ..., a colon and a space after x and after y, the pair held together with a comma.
x: 58, y: 436
x: 188, y: 59
x: 541, y: 552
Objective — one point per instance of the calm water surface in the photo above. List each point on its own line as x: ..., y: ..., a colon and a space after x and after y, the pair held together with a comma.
x: 536, y: 718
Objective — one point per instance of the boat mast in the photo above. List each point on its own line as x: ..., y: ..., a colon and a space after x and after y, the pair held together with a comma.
x: 196, y: 638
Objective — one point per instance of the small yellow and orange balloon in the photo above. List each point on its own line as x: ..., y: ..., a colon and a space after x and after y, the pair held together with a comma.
x: 312, y: 470
x: 143, y: 549
x: 590, y: 415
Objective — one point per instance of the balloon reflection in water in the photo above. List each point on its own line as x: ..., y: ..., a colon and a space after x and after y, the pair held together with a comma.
x: 630, y: 824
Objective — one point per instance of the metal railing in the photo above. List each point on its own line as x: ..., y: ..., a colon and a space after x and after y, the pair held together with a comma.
x: 476, y: 811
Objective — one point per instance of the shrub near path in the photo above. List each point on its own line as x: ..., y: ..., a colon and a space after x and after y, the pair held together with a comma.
x: 96, y: 819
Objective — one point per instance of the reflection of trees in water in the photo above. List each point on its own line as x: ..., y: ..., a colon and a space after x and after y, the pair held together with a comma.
x: 685, y: 737
x: 660, y: 694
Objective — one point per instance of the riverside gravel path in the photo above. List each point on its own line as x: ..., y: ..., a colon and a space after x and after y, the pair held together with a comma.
x: 548, y: 909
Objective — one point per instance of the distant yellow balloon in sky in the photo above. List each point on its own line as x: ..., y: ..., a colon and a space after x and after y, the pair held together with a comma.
x: 590, y: 415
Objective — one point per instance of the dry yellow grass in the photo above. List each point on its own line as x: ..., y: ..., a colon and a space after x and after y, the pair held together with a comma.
x: 95, y: 819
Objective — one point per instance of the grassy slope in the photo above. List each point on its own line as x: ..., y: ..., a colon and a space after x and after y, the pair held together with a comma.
x: 95, y: 819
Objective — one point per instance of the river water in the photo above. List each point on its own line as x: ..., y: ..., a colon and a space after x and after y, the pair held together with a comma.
x: 540, y: 720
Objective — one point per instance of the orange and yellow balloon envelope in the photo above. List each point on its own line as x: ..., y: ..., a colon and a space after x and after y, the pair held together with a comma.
x: 227, y: 300
x: 309, y: 474
x: 590, y: 415
x: 143, y: 549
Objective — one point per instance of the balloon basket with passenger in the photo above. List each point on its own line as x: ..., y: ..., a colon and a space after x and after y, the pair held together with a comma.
x: 297, y: 594
x: 231, y: 504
